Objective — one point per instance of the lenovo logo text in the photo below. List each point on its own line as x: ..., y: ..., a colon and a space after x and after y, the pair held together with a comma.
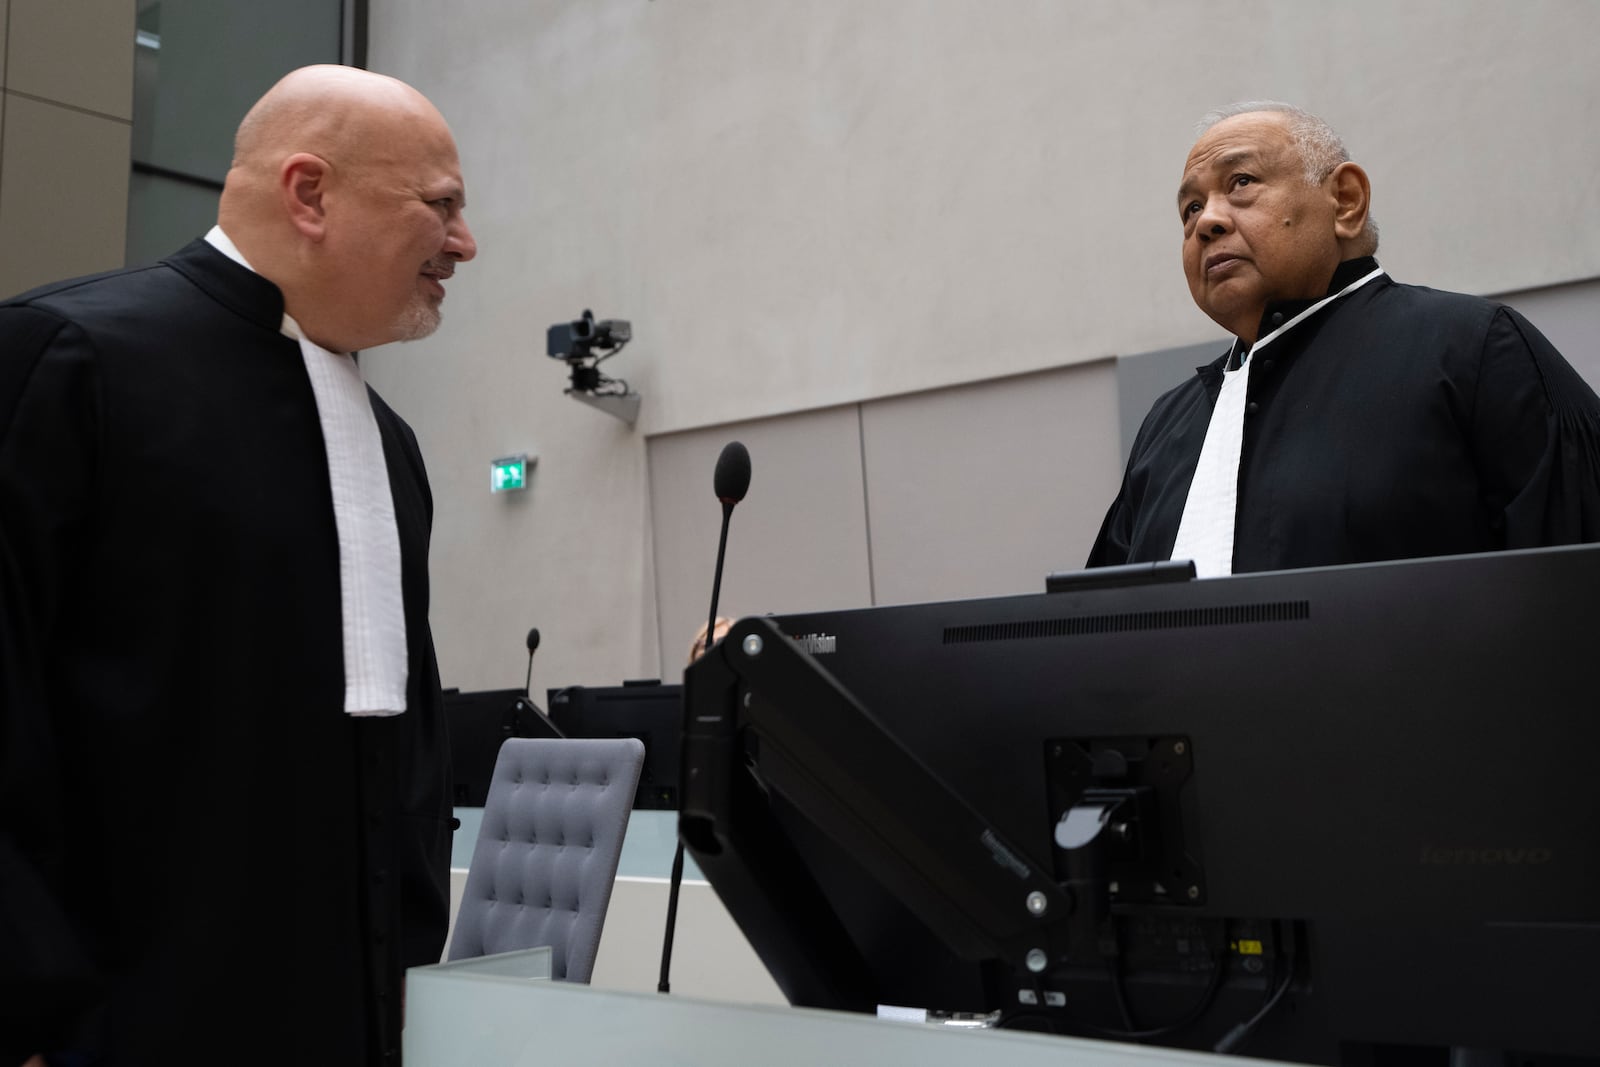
x: 1485, y: 857
x: 816, y: 644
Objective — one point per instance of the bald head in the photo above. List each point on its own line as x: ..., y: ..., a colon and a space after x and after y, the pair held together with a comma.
x: 338, y: 112
x: 345, y: 191
x: 1319, y: 144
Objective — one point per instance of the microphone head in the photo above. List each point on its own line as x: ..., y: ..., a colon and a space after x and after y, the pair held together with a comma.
x: 533, y: 639
x: 732, y: 478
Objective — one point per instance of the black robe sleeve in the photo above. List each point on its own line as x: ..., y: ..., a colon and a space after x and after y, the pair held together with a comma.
x: 1536, y: 435
x: 47, y: 467
x: 1142, y: 522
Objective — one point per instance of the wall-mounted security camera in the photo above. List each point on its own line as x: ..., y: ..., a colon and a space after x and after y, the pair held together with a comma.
x: 584, y: 344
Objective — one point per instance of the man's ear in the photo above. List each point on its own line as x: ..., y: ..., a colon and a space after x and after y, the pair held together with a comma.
x: 1352, y: 199
x: 302, y: 181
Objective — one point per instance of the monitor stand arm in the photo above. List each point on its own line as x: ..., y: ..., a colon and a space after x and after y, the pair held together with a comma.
x: 761, y: 715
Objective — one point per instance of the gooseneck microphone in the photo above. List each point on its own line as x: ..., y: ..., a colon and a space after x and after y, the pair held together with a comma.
x: 730, y: 481
x: 518, y: 722
x: 533, y: 645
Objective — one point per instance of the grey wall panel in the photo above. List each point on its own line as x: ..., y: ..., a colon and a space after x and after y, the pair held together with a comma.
x: 985, y: 489
x: 1141, y: 379
x: 215, y: 61
x: 165, y: 214
x: 798, y: 542
x: 1569, y: 315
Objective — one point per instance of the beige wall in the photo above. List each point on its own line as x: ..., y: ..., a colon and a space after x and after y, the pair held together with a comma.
x: 822, y: 207
x: 949, y: 493
x: 864, y: 199
x: 65, y: 131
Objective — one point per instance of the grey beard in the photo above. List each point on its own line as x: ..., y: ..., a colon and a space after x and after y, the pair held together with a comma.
x: 417, y: 321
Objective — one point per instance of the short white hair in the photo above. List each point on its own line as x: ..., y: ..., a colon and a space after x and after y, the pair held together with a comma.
x: 1320, y: 147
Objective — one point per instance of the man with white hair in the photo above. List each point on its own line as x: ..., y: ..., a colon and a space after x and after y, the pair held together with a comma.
x: 1353, y: 418
x: 224, y: 808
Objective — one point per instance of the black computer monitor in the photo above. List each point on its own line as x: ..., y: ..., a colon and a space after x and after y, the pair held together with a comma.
x: 1315, y: 813
x: 648, y: 710
x: 477, y: 723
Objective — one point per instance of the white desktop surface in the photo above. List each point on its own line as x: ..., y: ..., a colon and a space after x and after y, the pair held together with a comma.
x: 464, y: 1019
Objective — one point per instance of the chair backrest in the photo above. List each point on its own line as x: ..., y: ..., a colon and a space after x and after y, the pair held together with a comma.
x: 547, y: 851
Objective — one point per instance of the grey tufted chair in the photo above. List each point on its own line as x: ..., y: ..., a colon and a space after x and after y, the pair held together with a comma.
x: 547, y: 852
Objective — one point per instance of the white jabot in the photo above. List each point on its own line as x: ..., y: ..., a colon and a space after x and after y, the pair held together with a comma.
x: 373, y: 607
x: 1205, y: 533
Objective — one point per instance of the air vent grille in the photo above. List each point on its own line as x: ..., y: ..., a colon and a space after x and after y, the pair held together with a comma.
x: 1173, y: 619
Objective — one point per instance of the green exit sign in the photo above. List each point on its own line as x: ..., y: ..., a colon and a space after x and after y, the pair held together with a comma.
x: 507, y: 473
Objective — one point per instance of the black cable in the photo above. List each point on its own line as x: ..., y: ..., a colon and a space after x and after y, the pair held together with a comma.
x: 1194, y: 1015
x: 1038, y: 991
x: 1009, y: 1019
x: 1038, y: 1010
x: 1131, y: 1034
x: 604, y: 386
x: 1236, y: 1036
x: 1119, y: 992
x: 1227, y: 1043
x: 1120, y: 995
x: 601, y: 359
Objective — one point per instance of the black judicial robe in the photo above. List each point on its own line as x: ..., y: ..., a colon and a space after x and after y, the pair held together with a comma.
x: 1396, y: 423
x: 202, y: 857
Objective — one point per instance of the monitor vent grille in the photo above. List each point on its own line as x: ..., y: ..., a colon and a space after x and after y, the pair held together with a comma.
x: 1174, y: 619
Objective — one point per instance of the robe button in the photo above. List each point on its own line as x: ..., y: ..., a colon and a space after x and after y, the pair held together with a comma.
x: 1266, y: 364
x: 1277, y: 318
x: 1251, y: 408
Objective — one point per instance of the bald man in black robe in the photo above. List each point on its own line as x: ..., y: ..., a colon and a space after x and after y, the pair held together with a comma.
x: 211, y: 849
